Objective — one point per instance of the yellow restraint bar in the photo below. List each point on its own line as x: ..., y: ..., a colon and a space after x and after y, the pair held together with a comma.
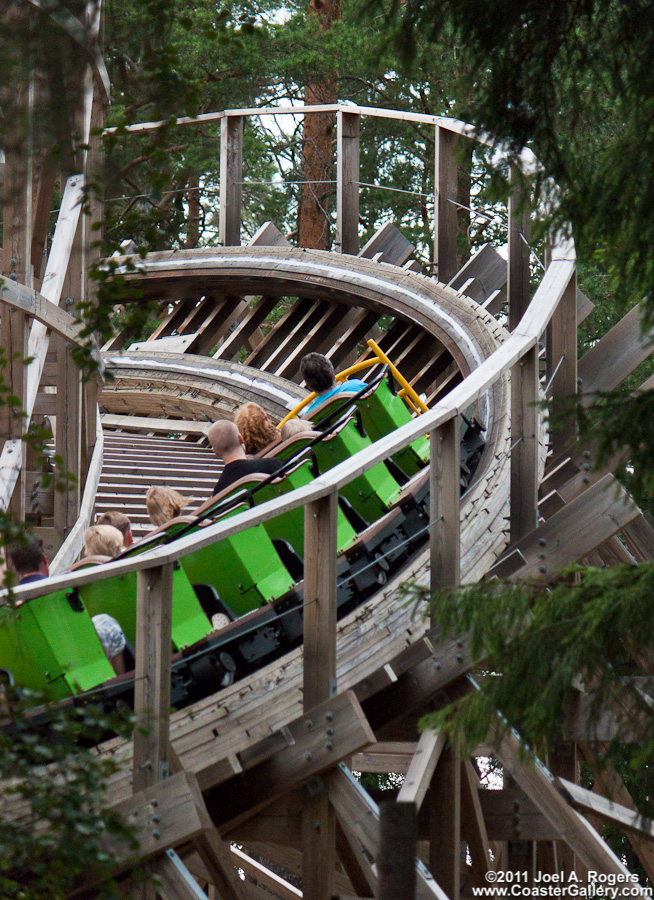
x: 406, y: 392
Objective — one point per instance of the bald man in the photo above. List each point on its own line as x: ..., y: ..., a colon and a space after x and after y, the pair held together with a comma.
x: 228, y: 445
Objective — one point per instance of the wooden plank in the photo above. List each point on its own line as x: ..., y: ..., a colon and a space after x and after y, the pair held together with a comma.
x: 605, y: 506
x: 525, y: 446
x: 279, y: 333
x: 318, y: 842
x: 510, y: 816
x: 357, y: 812
x: 306, y: 747
x: 72, y: 546
x: 319, y: 678
x: 357, y: 871
x: 17, y: 266
x: 428, y: 752
x: 231, y: 177
x: 518, y: 287
x: 168, y: 814
x: 609, y: 783
x: 445, y: 824
x: 538, y: 784
x: 152, y: 676
x: 246, y: 328
x: 605, y: 366
x: 68, y: 440
x: 590, y: 802
x: 347, y: 182
x: 384, y: 757
x: 638, y: 535
x: 562, y: 363
x: 473, y: 826
x: 446, y: 220
x: 176, y: 882
x: 217, y: 857
x: 145, y: 423
x: 487, y: 268
x: 45, y: 185
x: 445, y: 506
x: 397, y: 850
x: 388, y: 240
x: 262, y: 874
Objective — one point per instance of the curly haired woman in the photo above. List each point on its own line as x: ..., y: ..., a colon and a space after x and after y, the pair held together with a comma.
x: 255, y: 427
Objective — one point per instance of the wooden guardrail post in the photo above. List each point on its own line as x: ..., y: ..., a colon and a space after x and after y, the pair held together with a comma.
x: 445, y: 212
x: 445, y: 505
x: 524, y: 445
x: 397, y: 851
x: 231, y: 177
x: 347, y: 182
x: 518, y: 288
x: 319, y: 683
x: 563, y: 356
x: 154, y: 597
x: 17, y: 265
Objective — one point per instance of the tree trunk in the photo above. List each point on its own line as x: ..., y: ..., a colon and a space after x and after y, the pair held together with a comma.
x: 317, y: 152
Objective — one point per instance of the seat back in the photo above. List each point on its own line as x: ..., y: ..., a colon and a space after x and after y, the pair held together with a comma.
x: 50, y: 645
x: 382, y: 412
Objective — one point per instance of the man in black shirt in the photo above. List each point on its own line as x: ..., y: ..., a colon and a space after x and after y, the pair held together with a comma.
x: 227, y: 444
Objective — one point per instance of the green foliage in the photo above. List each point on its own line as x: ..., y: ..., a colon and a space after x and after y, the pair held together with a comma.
x: 574, y: 81
x: 61, y: 827
x: 538, y: 644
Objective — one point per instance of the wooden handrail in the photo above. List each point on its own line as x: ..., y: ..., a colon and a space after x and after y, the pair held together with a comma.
x: 527, y: 159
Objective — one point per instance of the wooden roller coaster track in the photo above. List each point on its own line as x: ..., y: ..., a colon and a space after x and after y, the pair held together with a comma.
x: 267, y: 762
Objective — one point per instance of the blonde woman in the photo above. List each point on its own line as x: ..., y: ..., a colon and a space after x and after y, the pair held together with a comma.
x: 102, y: 540
x: 163, y: 504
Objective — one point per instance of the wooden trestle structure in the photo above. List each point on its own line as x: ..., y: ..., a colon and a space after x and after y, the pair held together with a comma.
x: 267, y: 763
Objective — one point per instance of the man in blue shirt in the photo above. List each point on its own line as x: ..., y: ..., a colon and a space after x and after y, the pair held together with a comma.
x: 318, y: 374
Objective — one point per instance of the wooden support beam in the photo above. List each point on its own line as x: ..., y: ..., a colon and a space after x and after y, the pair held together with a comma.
x: 611, y: 785
x: 220, y: 863
x: 264, y: 875
x: 312, y: 743
x: 425, y: 760
x: 388, y: 245
x: 152, y: 676
x: 562, y: 363
x: 518, y: 288
x: 473, y: 826
x: 176, y: 882
x: 590, y: 802
x: 358, y: 870
x: 445, y: 824
x: 68, y: 445
x: 17, y: 266
x: 384, y: 757
x: 508, y: 815
x: 525, y: 445
x: 605, y: 366
x: 319, y: 678
x: 606, y: 506
x: 538, y: 785
x: 347, y: 182
x: 446, y: 220
x: 397, y: 851
x: 318, y: 842
x: 231, y: 177
x: 359, y: 815
x: 487, y: 268
x: 445, y: 506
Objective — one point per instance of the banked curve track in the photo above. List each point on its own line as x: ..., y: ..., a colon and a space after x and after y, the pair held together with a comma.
x: 178, y: 385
